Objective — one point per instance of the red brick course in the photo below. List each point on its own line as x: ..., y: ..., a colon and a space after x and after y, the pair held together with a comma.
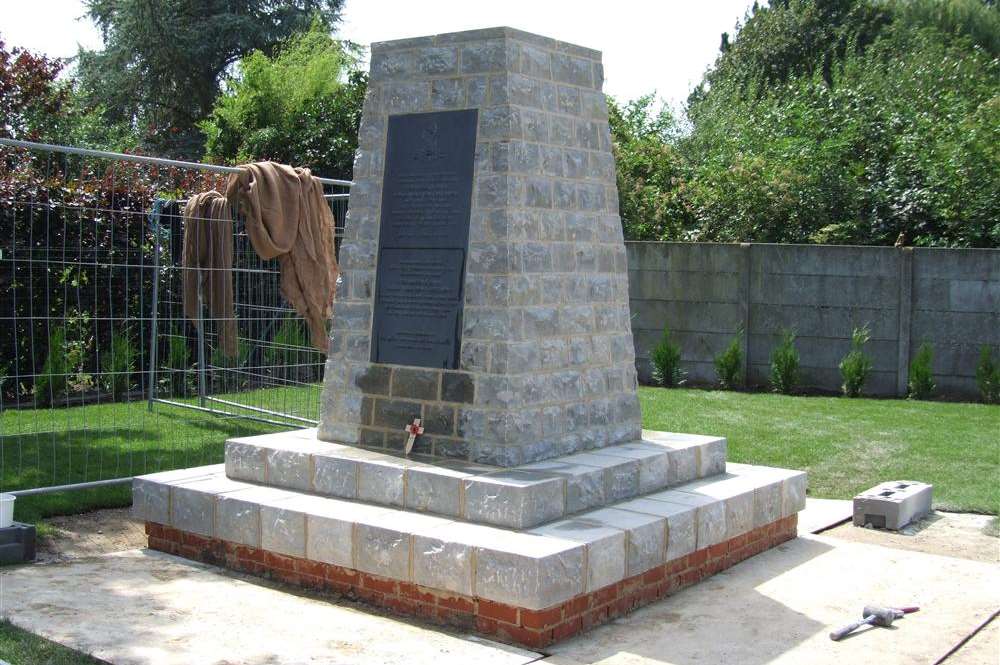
x: 534, y: 629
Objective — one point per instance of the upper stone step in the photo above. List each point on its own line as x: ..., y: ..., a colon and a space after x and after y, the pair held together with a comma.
x: 520, y: 497
x: 534, y: 569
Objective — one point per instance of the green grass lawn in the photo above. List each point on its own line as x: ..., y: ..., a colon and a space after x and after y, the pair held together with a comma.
x: 59, y: 446
x: 19, y: 647
x: 848, y: 445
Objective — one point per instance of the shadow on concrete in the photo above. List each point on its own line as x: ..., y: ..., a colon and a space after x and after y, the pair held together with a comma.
x: 722, y: 619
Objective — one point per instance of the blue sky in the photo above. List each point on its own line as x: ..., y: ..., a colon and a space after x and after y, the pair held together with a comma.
x: 661, y: 45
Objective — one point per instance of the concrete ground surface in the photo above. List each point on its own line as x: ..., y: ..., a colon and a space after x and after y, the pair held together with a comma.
x: 148, y: 608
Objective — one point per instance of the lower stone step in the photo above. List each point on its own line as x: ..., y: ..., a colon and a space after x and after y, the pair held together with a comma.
x: 533, y: 570
x: 520, y: 497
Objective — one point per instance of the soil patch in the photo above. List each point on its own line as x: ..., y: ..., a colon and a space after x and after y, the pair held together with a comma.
x: 90, y: 534
x: 961, y: 535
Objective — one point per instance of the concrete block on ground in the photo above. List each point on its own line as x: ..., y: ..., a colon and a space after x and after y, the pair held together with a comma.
x: 892, y: 505
x: 606, y: 548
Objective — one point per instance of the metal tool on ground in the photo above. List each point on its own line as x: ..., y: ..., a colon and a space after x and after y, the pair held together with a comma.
x: 873, y: 615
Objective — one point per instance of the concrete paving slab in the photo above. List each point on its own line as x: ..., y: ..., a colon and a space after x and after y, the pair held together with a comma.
x: 780, y: 606
x: 821, y: 514
x: 145, y: 608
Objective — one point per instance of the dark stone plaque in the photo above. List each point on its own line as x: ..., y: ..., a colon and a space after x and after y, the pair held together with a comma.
x: 424, y: 238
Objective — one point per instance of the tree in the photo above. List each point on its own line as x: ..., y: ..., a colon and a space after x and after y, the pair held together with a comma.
x: 834, y: 121
x: 651, y: 172
x: 163, y: 60
x: 31, y: 98
x: 302, y: 107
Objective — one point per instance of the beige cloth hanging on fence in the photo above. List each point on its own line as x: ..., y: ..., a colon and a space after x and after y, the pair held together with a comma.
x: 288, y: 218
x: 208, y: 255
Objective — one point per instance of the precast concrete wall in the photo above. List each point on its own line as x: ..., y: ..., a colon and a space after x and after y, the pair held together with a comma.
x: 705, y: 293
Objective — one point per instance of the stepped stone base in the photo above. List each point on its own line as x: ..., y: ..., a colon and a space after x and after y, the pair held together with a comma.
x: 532, y: 628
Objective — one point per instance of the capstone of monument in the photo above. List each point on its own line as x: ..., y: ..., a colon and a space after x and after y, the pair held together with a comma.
x: 480, y: 460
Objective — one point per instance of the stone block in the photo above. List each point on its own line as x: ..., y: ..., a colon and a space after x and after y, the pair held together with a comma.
x: 150, y: 501
x: 737, y: 493
x: 441, y: 563
x: 335, y: 475
x: 330, y: 528
x: 524, y: 570
x: 283, y: 530
x: 237, y: 518
x: 606, y: 548
x: 516, y: 499
x: 710, y: 515
x: 654, y: 464
x: 647, y: 536
x: 382, y: 541
x: 381, y: 481
x: 793, y: 493
x: 245, y: 461
x: 585, y: 485
x: 192, y: 503
x: 621, y: 474
x: 289, y: 468
x: 682, y: 531
x: 435, y: 489
x: 683, y: 453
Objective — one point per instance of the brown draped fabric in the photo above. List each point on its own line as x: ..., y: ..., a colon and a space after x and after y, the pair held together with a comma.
x: 208, y: 256
x: 287, y: 218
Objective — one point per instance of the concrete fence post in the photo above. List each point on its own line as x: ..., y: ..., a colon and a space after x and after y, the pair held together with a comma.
x: 746, y: 251
x: 905, y: 311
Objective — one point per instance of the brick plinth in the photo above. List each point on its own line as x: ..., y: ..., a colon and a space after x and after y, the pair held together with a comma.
x: 530, y: 628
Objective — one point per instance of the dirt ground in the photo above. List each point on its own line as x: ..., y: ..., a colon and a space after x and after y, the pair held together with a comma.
x: 89, y: 534
x: 961, y: 535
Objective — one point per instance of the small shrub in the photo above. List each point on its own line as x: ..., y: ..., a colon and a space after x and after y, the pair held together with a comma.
x: 286, y: 352
x: 51, y: 382
x: 785, y: 364
x: 178, y: 362
x: 729, y: 363
x: 921, y: 376
x: 856, y: 366
x: 666, y: 359
x: 118, y: 363
x: 988, y: 376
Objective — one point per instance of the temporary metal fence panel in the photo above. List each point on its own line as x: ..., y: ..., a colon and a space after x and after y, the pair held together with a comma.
x: 101, y: 375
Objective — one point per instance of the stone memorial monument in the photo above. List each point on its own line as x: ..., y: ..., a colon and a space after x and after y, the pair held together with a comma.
x: 480, y: 459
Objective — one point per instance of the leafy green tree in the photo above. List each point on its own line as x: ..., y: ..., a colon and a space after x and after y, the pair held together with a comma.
x: 302, y: 106
x: 834, y: 121
x: 651, y: 172
x: 163, y: 62
x: 32, y: 100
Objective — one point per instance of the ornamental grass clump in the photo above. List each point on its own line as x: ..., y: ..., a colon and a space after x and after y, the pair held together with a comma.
x: 988, y: 376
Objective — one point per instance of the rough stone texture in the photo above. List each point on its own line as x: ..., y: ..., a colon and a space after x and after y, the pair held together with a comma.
x: 547, y: 361
x: 647, y: 536
x: 681, y: 523
x: 517, y: 499
x: 606, y: 548
x: 707, y: 292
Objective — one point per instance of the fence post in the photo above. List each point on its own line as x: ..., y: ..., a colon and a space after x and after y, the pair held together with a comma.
x: 154, y: 218
x: 905, y: 313
x: 745, y: 253
x: 201, y: 344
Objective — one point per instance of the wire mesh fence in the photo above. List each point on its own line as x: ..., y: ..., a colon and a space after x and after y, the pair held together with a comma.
x: 102, y: 376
